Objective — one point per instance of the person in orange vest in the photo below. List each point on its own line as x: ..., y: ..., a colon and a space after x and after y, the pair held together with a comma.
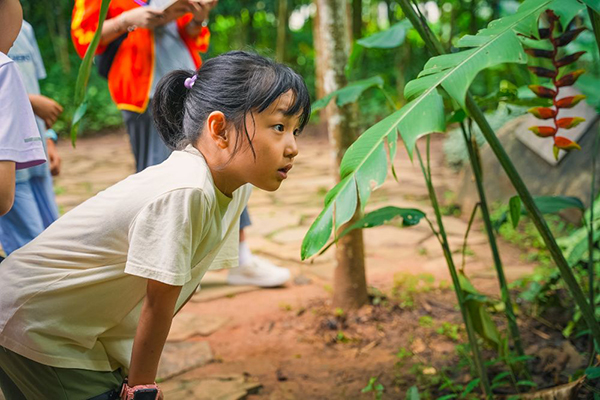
x: 141, y: 42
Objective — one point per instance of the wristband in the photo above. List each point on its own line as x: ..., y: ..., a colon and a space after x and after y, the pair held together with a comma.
x: 51, y: 134
x: 129, y: 392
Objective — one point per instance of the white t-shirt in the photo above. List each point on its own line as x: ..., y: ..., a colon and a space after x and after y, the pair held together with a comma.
x: 20, y: 140
x: 72, y: 297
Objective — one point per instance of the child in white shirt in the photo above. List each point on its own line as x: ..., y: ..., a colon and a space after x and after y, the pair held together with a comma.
x: 20, y: 142
x: 91, y: 299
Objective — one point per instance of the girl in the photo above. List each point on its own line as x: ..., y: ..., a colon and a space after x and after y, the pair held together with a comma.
x: 92, y: 298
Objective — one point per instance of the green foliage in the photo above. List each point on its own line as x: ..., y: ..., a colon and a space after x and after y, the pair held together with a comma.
x: 375, y: 387
x: 407, y: 286
x: 348, y: 94
x: 388, y: 39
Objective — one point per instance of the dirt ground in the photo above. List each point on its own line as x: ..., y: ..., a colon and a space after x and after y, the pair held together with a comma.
x: 290, y: 340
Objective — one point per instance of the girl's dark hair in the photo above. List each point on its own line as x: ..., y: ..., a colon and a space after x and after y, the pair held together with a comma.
x: 235, y: 83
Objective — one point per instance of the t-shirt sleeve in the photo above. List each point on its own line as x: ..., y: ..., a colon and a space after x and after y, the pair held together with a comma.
x: 163, y: 236
x: 20, y: 139
x: 40, y: 70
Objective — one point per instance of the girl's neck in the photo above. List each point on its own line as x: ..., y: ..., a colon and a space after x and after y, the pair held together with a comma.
x: 223, y: 176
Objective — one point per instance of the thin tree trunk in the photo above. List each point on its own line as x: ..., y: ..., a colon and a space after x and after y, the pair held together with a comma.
x: 282, y: 23
x: 350, y: 287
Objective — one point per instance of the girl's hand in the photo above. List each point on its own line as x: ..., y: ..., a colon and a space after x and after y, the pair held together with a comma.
x: 45, y: 108
x: 142, y: 17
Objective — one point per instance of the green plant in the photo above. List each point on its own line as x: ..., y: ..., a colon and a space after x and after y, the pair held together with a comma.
x: 375, y: 387
x: 449, y: 330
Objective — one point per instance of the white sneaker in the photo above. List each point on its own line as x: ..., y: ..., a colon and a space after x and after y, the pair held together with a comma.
x: 258, y: 272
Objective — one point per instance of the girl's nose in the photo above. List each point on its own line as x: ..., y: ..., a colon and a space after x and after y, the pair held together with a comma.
x: 291, y: 149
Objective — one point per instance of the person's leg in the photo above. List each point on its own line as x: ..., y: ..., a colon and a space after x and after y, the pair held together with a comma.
x: 254, y: 270
x: 23, y: 222
x: 37, y: 381
x: 146, y: 144
x: 43, y: 192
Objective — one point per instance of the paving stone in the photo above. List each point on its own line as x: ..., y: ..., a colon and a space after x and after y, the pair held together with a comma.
x: 179, y: 357
x: 291, y: 235
x: 186, y: 325
x: 214, y: 286
x: 216, y: 387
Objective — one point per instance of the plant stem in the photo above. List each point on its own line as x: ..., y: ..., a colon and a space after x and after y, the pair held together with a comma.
x: 477, y: 358
x: 435, y: 48
x: 513, y: 328
x: 595, y: 19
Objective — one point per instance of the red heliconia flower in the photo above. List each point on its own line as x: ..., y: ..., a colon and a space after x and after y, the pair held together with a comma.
x: 543, y: 91
x: 568, y: 37
x: 569, y: 122
x: 565, y: 144
x: 543, y: 72
x: 569, y: 79
x: 540, y: 53
x: 543, y: 131
x: 543, y: 112
x: 571, y: 58
x: 569, y: 102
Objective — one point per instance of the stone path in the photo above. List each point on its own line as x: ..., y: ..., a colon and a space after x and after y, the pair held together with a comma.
x: 280, y: 221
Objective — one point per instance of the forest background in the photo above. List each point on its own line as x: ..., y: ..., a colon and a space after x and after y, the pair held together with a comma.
x: 284, y: 30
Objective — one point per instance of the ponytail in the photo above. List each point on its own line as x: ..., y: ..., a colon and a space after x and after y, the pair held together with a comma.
x: 168, y: 107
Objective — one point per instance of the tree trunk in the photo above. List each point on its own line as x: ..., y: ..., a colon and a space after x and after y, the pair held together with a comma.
x: 350, y: 287
x: 282, y: 23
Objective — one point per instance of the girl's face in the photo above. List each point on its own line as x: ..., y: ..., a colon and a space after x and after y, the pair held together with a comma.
x: 11, y: 19
x: 273, y: 136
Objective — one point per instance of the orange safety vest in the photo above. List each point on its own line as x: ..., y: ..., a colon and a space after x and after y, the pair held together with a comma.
x: 132, y: 71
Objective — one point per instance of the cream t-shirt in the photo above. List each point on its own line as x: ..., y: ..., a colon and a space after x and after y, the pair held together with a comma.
x: 72, y: 297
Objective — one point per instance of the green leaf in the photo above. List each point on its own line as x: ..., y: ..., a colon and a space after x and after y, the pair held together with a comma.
x: 590, y: 86
x: 413, y: 393
x: 84, y: 72
x: 480, y: 317
x: 388, y: 39
x: 364, y: 166
x: 410, y: 217
x: 527, y: 383
x: 472, y: 385
x: 514, y: 204
x: 554, y: 204
x: 566, y: 10
x: 349, y: 93
x: 594, y: 4
x: 593, y: 372
x: 496, y: 44
x: 447, y: 397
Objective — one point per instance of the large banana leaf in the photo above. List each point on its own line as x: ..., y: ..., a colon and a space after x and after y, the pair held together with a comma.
x: 364, y: 166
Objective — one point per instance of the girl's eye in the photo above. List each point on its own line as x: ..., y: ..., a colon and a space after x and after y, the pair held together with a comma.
x: 279, y: 127
x: 297, y: 132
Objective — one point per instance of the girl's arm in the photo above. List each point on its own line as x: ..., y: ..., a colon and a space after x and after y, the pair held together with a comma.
x: 7, y: 185
x: 152, y: 331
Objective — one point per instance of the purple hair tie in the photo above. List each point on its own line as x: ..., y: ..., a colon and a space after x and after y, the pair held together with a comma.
x: 189, y: 82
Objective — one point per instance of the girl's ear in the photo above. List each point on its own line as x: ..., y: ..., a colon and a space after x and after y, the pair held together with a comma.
x: 216, y: 124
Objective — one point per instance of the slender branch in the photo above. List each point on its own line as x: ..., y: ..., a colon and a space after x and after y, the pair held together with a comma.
x: 513, y: 328
x: 477, y: 357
